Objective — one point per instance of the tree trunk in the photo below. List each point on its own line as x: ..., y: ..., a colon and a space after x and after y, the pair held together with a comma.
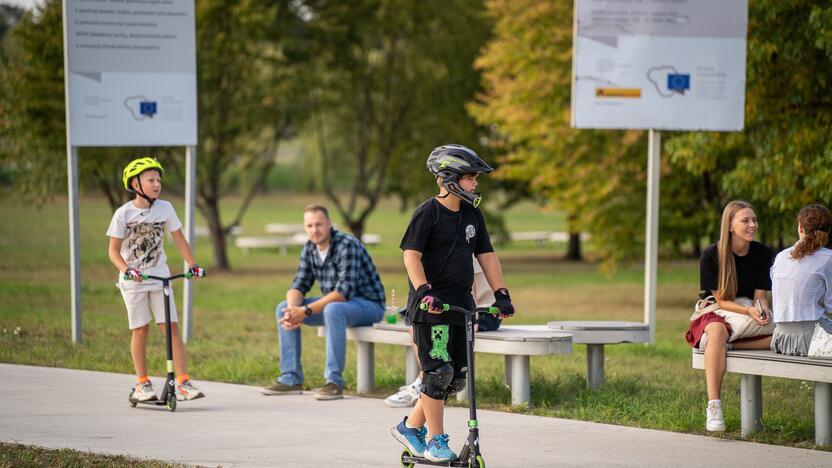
x: 573, y: 247
x: 212, y: 216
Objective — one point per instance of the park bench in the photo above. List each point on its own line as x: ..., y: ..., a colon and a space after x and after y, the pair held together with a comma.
x: 595, y: 334
x: 284, y: 242
x: 753, y: 364
x: 517, y: 345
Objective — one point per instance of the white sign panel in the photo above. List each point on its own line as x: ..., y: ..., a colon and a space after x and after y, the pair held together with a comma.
x: 132, y: 72
x: 661, y: 64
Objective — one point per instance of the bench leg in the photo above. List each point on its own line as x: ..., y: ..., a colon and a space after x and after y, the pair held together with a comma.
x: 823, y: 413
x: 751, y: 403
x: 595, y: 365
x: 507, y: 371
x: 520, y: 384
x: 411, y: 365
x: 365, y: 366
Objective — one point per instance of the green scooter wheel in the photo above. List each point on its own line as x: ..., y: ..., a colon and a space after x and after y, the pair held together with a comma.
x: 406, y: 453
x: 171, y: 403
x: 479, y: 463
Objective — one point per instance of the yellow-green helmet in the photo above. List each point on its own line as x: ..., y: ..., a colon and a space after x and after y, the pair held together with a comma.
x: 136, y: 167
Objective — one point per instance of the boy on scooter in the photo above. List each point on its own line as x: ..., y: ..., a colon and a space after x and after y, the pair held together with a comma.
x: 136, y: 235
x: 442, y: 235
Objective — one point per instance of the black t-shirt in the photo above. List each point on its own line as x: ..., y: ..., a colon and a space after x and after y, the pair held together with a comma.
x: 752, y: 270
x: 447, y: 240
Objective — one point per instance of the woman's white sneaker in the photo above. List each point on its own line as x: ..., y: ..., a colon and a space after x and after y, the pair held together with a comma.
x: 715, y: 421
x: 187, y: 391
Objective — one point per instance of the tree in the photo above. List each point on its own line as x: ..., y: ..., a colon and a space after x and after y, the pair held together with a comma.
x: 391, y: 81
x: 251, y: 81
x: 783, y: 159
x: 597, y: 177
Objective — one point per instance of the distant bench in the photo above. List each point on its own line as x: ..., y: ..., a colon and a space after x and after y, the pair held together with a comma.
x: 284, y: 242
x: 753, y: 364
x: 516, y: 344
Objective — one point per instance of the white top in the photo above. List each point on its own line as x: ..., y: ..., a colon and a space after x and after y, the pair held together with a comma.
x: 142, y: 231
x: 323, y: 253
x: 801, y: 290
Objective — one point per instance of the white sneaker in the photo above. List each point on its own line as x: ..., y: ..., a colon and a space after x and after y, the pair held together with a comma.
x: 187, y: 391
x: 715, y: 421
x: 143, y: 392
x: 405, y: 397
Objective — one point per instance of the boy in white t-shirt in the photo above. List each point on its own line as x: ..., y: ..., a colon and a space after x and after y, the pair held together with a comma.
x: 136, y: 235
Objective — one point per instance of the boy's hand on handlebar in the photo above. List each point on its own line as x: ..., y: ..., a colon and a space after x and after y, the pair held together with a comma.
x: 133, y: 274
x: 434, y: 304
x: 502, y: 301
x: 196, y: 271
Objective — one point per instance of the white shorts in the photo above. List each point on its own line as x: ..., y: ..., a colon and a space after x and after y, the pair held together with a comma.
x: 140, y: 303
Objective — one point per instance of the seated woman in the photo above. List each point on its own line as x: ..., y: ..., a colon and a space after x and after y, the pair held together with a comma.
x: 802, y: 283
x: 735, y: 272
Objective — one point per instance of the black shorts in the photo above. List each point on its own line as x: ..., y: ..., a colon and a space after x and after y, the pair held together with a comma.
x: 439, y: 344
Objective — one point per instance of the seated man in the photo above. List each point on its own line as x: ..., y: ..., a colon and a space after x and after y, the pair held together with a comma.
x: 353, y: 296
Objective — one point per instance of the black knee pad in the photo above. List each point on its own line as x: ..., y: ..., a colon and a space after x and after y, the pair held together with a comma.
x: 435, y: 383
x: 459, y: 381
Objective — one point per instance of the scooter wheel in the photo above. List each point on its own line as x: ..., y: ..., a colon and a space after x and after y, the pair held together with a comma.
x: 406, y: 453
x: 130, y: 399
x: 171, y: 403
x: 479, y: 463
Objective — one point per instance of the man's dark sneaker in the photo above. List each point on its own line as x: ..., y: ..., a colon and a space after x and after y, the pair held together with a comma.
x: 279, y: 388
x: 330, y: 391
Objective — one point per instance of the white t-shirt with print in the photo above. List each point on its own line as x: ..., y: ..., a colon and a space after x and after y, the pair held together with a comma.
x: 143, y: 231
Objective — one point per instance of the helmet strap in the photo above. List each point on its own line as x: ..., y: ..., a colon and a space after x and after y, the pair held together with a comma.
x: 141, y: 193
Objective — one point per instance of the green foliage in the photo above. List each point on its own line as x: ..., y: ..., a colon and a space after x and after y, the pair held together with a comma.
x: 596, y: 177
x: 391, y: 78
x: 783, y: 159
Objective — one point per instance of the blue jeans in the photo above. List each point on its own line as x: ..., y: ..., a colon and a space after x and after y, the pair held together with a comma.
x: 337, y: 316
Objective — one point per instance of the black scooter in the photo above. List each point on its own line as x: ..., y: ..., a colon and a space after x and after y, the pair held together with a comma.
x: 168, y: 398
x: 470, y: 455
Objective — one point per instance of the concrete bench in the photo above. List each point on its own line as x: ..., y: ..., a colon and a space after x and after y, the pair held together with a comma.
x: 753, y: 364
x: 270, y: 242
x: 595, y: 335
x: 516, y: 344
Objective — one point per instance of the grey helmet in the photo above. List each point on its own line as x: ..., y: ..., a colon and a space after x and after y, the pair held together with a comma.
x: 450, y: 162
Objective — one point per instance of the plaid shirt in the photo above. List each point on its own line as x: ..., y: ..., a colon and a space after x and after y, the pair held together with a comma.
x: 347, y: 269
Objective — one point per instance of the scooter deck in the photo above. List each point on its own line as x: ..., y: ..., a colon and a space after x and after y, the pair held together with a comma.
x: 415, y: 459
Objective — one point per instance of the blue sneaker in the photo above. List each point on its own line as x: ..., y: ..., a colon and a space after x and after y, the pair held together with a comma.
x: 413, y: 439
x: 437, y: 449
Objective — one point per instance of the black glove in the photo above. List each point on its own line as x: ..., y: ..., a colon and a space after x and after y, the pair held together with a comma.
x: 502, y: 301
x: 423, y: 296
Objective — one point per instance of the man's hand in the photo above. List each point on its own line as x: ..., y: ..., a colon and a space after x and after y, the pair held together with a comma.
x: 502, y: 301
x: 292, y: 317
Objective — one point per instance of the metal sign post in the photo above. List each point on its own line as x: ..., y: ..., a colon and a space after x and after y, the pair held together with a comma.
x: 190, y: 193
x: 651, y: 235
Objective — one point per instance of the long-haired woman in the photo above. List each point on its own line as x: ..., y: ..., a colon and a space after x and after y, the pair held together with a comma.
x: 735, y: 271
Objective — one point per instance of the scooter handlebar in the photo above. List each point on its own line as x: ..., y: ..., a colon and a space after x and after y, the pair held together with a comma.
x: 186, y: 275
x: 447, y: 307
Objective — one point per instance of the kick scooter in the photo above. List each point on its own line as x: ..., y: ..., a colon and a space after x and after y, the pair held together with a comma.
x: 470, y: 455
x: 168, y: 398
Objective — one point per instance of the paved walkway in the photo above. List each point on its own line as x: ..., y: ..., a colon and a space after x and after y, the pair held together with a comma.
x: 236, y: 426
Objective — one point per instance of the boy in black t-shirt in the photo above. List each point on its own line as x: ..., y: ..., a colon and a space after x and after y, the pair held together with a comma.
x: 440, y: 239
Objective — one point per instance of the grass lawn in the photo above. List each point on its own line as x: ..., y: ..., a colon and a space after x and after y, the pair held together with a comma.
x: 27, y: 456
x: 235, y: 338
